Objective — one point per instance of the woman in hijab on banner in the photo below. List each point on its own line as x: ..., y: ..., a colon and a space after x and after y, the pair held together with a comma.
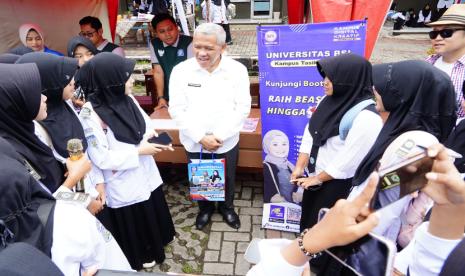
x: 117, y: 130
x: 62, y: 123
x: 32, y: 36
x: 278, y: 169
x: 336, y: 138
x: 62, y: 229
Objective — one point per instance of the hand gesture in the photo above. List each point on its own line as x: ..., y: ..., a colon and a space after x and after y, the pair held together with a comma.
x: 445, y: 183
x: 339, y: 226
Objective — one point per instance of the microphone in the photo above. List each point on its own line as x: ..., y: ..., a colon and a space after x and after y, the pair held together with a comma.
x: 75, y: 151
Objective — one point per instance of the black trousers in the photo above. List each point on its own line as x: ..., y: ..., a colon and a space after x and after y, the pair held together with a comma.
x: 230, y: 170
x: 228, y: 32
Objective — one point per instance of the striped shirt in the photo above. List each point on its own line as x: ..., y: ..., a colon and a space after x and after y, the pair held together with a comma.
x: 457, y: 76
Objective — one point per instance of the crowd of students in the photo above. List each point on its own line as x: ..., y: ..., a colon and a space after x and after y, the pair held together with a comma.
x: 370, y: 118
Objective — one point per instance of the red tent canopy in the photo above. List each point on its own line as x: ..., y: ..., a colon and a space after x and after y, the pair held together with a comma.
x: 59, y: 19
x: 344, y: 10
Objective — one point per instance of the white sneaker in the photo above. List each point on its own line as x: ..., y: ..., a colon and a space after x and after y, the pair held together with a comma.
x: 148, y: 265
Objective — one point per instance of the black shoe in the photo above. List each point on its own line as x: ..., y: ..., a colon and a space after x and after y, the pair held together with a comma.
x: 203, y: 218
x: 229, y: 43
x: 232, y: 219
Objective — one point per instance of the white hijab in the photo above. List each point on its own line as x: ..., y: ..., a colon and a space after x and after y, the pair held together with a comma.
x: 281, y: 162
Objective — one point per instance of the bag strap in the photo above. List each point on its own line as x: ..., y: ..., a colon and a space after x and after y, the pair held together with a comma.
x: 348, y: 119
x: 272, y: 176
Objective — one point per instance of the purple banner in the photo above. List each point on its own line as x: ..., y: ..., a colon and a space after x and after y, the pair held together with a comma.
x: 290, y: 89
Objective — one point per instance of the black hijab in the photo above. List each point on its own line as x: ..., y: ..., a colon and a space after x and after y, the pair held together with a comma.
x: 456, y: 141
x: 20, y: 198
x: 417, y: 96
x: 21, y: 50
x: 19, y: 104
x: 61, y: 123
x: 352, y: 83
x: 426, y: 10
x: 104, y: 78
x: 80, y: 41
x: 9, y: 58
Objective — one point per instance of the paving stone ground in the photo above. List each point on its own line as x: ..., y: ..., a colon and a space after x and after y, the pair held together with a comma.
x: 219, y: 249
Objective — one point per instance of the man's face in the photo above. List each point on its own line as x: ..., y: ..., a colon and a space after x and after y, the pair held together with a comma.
x: 207, y: 52
x: 167, y: 32
x: 92, y: 34
x: 451, y: 44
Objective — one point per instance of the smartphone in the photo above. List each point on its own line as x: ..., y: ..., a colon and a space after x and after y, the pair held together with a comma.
x: 375, y: 254
x: 401, y: 179
x: 163, y: 139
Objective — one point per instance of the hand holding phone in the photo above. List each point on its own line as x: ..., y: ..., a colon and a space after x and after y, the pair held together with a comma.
x: 408, y: 176
x: 162, y: 139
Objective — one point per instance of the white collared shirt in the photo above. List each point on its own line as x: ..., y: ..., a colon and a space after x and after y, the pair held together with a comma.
x: 425, y: 254
x: 340, y: 159
x: 118, y: 50
x: 129, y: 177
x: 154, y: 59
x: 80, y: 241
x: 203, y: 102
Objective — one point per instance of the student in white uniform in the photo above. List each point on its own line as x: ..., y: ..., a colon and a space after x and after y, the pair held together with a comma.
x: 117, y: 129
x: 335, y: 153
x: 62, y: 122
x: 71, y: 236
x: 417, y: 96
x: 336, y: 138
x: 83, y: 50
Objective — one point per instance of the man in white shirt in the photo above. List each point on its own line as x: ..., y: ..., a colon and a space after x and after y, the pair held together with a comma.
x: 209, y: 100
x: 448, y: 42
x: 91, y: 27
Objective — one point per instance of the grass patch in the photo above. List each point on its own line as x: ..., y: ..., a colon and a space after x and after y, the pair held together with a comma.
x: 187, y: 268
x: 187, y: 228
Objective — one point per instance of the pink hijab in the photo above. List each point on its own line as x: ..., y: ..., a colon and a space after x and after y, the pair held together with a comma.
x: 24, y: 30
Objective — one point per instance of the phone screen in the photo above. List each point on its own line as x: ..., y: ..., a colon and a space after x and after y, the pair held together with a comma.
x: 401, y: 179
x: 163, y: 139
x: 370, y: 255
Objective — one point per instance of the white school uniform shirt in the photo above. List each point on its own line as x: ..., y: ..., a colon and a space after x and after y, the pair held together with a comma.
x: 118, y: 50
x: 340, y: 159
x: 80, y: 241
x: 272, y: 263
x: 444, y: 4
x: 129, y: 177
x: 425, y: 254
x: 217, y: 14
x: 422, y: 19
x: 203, y: 102
x: 95, y: 176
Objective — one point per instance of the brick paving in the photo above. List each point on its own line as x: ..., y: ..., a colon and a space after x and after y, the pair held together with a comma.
x: 219, y: 249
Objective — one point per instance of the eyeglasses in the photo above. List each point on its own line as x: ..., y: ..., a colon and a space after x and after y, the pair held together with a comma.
x: 89, y: 34
x: 445, y: 33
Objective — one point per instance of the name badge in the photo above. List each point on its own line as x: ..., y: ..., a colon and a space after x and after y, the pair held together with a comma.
x: 194, y: 84
x: 31, y: 170
x: 180, y: 53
